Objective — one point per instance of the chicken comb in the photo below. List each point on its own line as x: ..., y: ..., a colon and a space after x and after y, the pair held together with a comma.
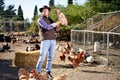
x: 33, y: 71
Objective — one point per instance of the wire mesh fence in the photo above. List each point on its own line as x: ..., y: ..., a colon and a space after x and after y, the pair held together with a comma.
x: 9, y: 26
x: 105, y: 44
x: 95, y: 20
x: 90, y: 21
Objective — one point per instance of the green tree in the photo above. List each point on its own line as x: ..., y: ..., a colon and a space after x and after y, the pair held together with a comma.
x: 20, y: 13
x: 70, y: 1
x: 10, y: 11
x: 104, y: 5
x: 74, y: 13
x: 35, y: 12
x: 1, y: 8
x: 34, y: 25
x: 51, y: 2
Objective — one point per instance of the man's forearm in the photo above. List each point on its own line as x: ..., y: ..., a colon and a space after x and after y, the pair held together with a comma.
x: 46, y: 26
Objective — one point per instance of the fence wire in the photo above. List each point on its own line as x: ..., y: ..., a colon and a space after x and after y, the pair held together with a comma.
x: 108, y: 44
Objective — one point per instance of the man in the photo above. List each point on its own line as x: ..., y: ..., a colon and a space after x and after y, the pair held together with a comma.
x: 47, y: 29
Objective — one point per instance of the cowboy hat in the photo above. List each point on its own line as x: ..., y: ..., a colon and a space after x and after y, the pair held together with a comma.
x: 44, y: 7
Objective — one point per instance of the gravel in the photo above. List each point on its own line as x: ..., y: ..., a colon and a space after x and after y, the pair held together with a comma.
x: 85, y: 71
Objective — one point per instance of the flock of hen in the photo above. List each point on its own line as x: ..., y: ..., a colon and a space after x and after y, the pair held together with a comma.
x: 75, y: 56
x: 34, y: 75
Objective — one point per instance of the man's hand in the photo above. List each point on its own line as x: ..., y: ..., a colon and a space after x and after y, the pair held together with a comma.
x: 57, y: 24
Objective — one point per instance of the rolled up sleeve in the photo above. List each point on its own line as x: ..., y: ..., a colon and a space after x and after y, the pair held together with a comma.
x: 44, y: 25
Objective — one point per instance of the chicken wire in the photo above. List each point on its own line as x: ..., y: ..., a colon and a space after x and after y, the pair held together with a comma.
x: 9, y: 26
x: 93, y: 20
x: 109, y: 45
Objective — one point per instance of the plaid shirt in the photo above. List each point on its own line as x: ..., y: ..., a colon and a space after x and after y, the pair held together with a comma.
x: 44, y: 25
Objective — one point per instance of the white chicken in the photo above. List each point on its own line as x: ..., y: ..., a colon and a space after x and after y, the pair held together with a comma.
x: 90, y: 59
x: 61, y: 48
x: 57, y: 47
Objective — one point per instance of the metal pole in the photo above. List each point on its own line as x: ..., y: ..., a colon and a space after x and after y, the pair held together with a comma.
x: 108, y: 49
x: 71, y: 38
x: 77, y: 39
x: 93, y: 40
x: 84, y: 40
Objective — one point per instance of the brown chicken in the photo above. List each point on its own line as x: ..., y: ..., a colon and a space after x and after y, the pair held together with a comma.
x: 62, y: 56
x: 13, y: 40
x: 61, y: 17
x: 23, y: 74
x: 61, y: 77
x: 67, y: 48
x: 34, y: 75
x: 76, y: 59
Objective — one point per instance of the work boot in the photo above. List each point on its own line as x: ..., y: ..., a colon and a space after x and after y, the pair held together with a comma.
x: 49, y: 76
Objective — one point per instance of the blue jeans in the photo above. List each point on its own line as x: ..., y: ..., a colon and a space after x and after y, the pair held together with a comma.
x: 47, y: 48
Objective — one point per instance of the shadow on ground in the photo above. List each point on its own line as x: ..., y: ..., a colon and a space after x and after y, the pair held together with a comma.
x: 7, y: 72
x: 88, y: 71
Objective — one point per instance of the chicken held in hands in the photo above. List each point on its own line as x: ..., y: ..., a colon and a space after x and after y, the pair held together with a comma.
x: 61, y: 17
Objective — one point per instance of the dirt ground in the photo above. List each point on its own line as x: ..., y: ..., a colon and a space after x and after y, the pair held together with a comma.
x: 85, y: 71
